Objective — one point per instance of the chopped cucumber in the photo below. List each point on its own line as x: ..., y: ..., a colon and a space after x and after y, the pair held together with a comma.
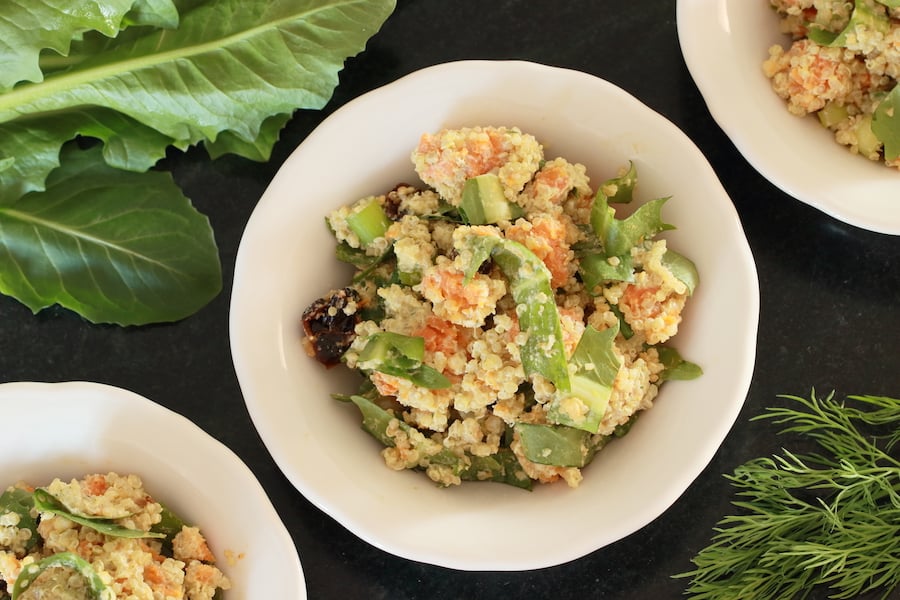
x: 484, y: 203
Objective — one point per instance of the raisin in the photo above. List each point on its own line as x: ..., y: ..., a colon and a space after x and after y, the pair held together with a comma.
x: 329, y: 328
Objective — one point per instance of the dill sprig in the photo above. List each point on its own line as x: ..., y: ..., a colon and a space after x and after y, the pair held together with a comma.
x: 828, y: 518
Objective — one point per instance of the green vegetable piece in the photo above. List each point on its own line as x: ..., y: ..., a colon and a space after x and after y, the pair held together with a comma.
x: 556, y: 445
x: 890, y: 3
x: 529, y: 284
x: 34, y: 146
x: 46, y: 502
x: 19, y: 501
x: 169, y: 525
x: 109, y: 244
x: 886, y: 123
x: 624, y: 328
x: 25, y: 32
x: 682, y: 268
x: 832, y: 114
x: 72, y: 71
x: 620, y: 189
x: 153, y: 13
x: 596, y: 366
x: 597, y: 268
x: 502, y: 467
x: 369, y: 222
x: 48, y: 578
x: 484, y: 203
x: 401, y: 356
x: 676, y: 367
x: 623, y: 235
x: 866, y: 140
x: 198, y: 80
x: 864, y: 16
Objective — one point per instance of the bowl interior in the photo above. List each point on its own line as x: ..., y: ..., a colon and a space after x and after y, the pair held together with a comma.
x: 286, y: 261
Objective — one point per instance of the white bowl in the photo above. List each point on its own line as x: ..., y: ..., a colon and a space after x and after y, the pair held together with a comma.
x: 285, y: 261
x: 724, y: 43
x: 71, y: 429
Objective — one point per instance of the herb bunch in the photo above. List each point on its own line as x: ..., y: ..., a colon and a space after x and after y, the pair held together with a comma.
x: 827, y: 518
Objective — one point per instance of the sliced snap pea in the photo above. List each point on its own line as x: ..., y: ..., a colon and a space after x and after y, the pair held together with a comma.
x: 558, y: 445
x: 502, y: 467
x: 542, y: 352
x: 44, y: 501
x: 19, y: 501
x: 48, y: 578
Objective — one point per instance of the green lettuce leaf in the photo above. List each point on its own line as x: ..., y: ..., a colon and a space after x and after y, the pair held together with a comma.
x: 141, y: 77
x: 229, y: 66
x: 115, y: 246
x: 29, y: 27
x: 33, y: 147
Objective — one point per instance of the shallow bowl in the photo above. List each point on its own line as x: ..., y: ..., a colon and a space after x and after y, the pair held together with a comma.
x: 724, y: 43
x: 72, y: 429
x: 285, y: 261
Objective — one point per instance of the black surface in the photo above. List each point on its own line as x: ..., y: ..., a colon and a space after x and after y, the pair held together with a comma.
x: 829, y: 301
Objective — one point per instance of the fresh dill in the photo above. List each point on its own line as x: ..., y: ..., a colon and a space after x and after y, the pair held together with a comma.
x: 824, y: 519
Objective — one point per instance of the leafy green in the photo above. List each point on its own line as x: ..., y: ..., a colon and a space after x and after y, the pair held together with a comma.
x: 54, y: 586
x: 401, y: 356
x: 44, y: 501
x: 828, y: 518
x: 886, y: 123
x: 620, y: 189
x: 115, y: 246
x: 593, y: 369
x: 865, y: 16
x: 609, y: 258
x: 141, y: 79
x: 502, y: 467
x: 558, y: 445
x: 27, y: 28
x: 682, y: 268
x: 675, y: 367
x: 529, y: 284
x: 20, y: 501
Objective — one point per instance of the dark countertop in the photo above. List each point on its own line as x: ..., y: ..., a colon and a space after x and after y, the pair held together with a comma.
x: 829, y: 320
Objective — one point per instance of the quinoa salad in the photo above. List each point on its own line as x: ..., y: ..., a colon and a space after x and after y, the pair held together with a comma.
x: 506, y: 322
x: 101, y: 537
x: 843, y: 65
